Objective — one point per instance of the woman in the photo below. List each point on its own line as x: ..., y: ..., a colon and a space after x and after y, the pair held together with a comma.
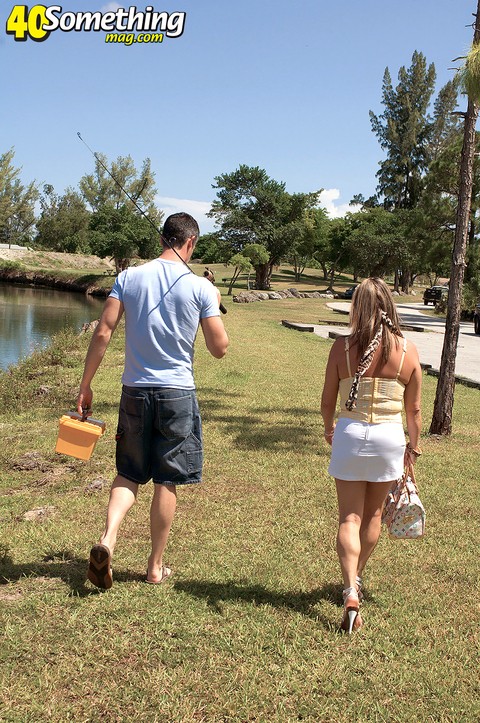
x: 368, y: 441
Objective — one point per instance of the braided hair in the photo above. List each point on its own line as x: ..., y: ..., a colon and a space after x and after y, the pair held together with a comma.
x: 369, y: 320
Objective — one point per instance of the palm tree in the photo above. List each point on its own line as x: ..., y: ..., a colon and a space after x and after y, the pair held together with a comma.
x: 470, y: 81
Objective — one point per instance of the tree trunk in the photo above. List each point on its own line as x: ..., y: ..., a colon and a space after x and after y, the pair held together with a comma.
x: 121, y: 264
x: 263, y: 274
x: 396, y: 282
x: 331, y: 279
x: 443, y: 406
x: 235, y: 276
x: 296, y: 268
x: 406, y: 281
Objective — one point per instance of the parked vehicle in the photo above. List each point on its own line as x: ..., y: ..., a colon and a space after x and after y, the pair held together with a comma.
x: 348, y: 293
x: 476, y: 319
x: 434, y: 294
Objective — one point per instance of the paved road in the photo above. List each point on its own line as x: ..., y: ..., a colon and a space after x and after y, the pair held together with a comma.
x: 429, y: 342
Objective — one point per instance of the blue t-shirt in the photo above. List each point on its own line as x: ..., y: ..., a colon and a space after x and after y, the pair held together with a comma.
x: 163, y: 303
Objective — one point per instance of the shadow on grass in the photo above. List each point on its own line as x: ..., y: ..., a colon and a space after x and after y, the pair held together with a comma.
x: 216, y: 593
x: 253, y: 427
x: 256, y: 430
x: 62, y: 565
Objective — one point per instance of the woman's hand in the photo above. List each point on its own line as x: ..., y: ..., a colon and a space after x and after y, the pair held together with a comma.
x: 411, y: 455
x: 328, y: 435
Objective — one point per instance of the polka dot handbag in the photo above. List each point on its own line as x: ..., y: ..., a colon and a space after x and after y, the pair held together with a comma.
x: 403, y: 512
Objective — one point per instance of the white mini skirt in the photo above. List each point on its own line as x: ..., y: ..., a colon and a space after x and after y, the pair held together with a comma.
x: 371, y: 452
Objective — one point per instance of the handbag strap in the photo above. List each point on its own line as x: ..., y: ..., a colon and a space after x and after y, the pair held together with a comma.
x: 409, y: 483
x: 411, y: 474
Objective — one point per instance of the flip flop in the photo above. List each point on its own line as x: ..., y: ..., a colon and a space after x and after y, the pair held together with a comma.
x: 100, y: 567
x: 166, y: 572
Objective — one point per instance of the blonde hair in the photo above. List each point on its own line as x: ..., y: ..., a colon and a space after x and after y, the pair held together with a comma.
x: 373, y: 308
x: 373, y: 320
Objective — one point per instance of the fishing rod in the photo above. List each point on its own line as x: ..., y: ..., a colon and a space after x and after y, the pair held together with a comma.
x: 145, y: 215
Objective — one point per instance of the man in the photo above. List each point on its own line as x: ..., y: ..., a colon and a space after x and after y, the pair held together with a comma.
x: 159, y: 433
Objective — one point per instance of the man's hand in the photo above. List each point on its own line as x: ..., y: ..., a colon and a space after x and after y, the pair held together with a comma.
x: 84, y: 401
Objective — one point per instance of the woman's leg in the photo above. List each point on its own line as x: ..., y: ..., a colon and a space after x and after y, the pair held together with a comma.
x: 375, y: 494
x: 351, y: 500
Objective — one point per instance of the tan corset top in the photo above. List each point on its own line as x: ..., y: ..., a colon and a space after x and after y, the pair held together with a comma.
x: 379, y: 399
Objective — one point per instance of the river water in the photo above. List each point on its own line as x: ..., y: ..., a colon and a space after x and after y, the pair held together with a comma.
x: 29, y: 317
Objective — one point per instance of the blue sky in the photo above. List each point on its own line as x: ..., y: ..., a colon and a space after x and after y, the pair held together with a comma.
x: 281, y: 85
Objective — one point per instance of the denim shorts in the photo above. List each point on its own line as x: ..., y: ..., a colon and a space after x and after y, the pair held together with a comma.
x: 159, y: 436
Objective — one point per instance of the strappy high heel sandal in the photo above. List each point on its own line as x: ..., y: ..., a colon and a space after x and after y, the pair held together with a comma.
x: 351, y: 611
x: 359, y: 585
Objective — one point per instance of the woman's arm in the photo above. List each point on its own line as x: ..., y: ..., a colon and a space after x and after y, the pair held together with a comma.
x: 330, y: 393
x: 412, y: 401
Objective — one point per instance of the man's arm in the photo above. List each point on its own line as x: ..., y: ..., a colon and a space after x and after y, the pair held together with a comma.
x: 215, y: 336
x: 111, y: 315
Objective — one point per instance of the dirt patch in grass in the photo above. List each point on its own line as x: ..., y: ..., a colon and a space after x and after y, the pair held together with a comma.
x: 9, y: 595
x: 39, y: 514
x: 31, y: 461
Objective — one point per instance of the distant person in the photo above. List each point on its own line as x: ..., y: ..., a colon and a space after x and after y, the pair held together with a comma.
x: 368, y: 441
x: 208, y: 273
x: 159, y: 432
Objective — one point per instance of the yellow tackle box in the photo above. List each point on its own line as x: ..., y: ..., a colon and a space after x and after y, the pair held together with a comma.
x: 78, y: 437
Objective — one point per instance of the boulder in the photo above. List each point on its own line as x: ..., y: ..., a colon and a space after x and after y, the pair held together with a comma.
x: 245, y: 297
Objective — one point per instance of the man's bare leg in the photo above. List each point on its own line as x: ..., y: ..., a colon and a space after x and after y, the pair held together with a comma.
x: 162, y: 511
x: 122, y: 497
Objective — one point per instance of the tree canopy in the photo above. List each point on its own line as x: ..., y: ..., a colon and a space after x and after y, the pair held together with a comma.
x: 64, y: 222
x: 252, y: 208
x: 17, y: 203
x: 122, y: 234
x: 117, y: 228
x: 404, y: 130
x: 99, y: 189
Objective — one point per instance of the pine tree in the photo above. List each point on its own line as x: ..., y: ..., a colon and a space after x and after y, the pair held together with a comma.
x: 404, y: 130
x: 17, y: 203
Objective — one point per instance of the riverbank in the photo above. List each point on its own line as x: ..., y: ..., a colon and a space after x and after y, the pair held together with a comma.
x: 33, y: 258
x: 84, y: 284
x: 66, y: 272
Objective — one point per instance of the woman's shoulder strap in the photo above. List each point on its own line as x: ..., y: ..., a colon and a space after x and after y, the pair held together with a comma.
x: 402, y: 358
x: 347, y: 355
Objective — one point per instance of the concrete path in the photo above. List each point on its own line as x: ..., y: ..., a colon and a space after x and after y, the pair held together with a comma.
x: 429, y: 342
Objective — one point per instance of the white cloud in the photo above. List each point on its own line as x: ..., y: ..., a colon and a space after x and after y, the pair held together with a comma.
x: 110, y: 7
x: 327, y: 200
x: 197, y: 209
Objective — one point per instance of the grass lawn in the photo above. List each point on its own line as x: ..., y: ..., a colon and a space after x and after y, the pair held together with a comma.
x: 247, y: 628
